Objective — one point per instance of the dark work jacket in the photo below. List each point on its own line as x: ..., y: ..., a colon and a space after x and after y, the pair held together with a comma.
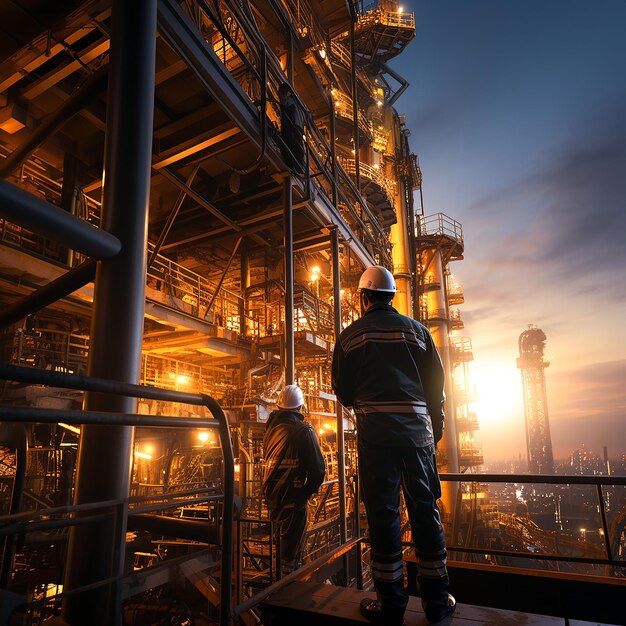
x: 294, y: 466
x: 386, y: 366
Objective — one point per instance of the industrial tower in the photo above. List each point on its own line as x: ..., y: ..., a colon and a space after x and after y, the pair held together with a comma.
x: 532, y: 363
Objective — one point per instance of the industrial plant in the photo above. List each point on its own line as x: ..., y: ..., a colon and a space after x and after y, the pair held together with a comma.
x: 190, y: 190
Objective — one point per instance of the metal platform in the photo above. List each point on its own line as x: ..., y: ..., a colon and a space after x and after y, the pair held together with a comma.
x: 316, y: 604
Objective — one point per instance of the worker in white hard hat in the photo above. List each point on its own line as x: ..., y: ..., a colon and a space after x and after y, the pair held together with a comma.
x: 294, y: 471
x: 386, y: 367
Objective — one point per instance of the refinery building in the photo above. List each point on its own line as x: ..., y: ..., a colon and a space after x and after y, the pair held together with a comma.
x: 168, y: 220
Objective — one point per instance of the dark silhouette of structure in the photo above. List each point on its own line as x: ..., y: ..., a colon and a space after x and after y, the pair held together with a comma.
x: 532, y: 364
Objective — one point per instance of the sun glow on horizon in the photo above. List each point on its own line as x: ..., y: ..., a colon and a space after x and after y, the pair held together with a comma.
x: 498, y: 393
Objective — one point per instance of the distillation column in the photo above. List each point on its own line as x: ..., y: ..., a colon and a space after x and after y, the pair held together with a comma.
x: 439, y: 328
x: 532, y: 364
x: 403, y: 300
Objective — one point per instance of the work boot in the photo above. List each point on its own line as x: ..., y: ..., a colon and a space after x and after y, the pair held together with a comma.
x: 372, y: 610
x: 436, y: 612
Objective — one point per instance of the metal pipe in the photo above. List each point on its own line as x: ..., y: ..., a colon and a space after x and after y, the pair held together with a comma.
x: 196, y: 530
x: 92, y: 87
x: 28, y: 414
x: 341, y: 448
x: 228, y: 511
x: 104, y: 455
x: 36, y: 376
x: 355, y: 110
x: 22, y: 208
x: 289, y: 356
x: 548, y: 479
x: 50, y: 293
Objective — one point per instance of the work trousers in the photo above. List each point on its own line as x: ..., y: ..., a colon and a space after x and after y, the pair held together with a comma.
x: 383, y: 470
x: 290, y: 524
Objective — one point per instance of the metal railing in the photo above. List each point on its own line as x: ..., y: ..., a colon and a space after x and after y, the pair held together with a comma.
x: 369, y: 172
x: 344, y: 110
x: 387, y: 12
x: 19, y: 523
x: 441, y: 225
x: 599, y: 482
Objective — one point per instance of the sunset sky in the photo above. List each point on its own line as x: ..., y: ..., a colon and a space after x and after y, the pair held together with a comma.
x: 518, y: 113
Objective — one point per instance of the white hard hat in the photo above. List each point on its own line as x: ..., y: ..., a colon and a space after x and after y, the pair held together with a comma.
x: 377, y: 278
x: 290, y: 397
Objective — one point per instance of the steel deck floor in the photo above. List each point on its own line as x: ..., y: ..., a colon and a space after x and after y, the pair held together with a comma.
x: 316, y: 604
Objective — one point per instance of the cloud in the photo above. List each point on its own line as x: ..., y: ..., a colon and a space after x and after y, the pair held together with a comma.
x: 588, y: 405
x: 569, y: 220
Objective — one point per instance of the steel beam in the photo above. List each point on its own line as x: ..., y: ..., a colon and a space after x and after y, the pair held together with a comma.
x: 94, y: 85
x: 289, y: 354
x: 172, y: 216
x: 48, y: 294
x: 183, y: 36
x: 24, y: 209
x: 104, y: 458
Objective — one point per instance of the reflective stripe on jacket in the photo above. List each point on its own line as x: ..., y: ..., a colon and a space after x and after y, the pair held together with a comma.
x: 386, y: 366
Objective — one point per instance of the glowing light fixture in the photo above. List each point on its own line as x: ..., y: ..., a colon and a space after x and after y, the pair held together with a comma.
x: 143, y: 455
x: 322, y: 53
x: 203, y: 436
x: 182, y: 380
x: 71, y: 428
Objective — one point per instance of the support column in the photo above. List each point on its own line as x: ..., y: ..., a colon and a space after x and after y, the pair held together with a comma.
x: 355, y: 111
x: 289, y: 351
x: 245, y: 326
x: 341, y: 448
x: 439, y: 328
x: 399, y: 235
x: 96, y: 550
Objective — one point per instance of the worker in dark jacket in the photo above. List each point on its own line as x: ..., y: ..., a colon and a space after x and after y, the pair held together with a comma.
x: 294, y: 471
x: 386, y: 367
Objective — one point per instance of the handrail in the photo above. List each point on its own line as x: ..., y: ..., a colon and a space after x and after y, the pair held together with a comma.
x: 301, y: 572
x: 550, y: 479
x: 87, y: 383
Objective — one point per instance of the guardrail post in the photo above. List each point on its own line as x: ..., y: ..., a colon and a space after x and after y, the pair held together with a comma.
x: 226, y: 582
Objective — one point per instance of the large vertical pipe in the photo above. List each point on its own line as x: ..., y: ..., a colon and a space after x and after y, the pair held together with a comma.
x: 399, y: 232
x: 289, y: 353
x: 355, y: 110
x: 400, y: 248
x: 439, y: 328
x: 96, y: 550
x: 341, y: 448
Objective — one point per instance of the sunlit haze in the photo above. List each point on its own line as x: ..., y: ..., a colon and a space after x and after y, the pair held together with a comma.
x: 518, y: 113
